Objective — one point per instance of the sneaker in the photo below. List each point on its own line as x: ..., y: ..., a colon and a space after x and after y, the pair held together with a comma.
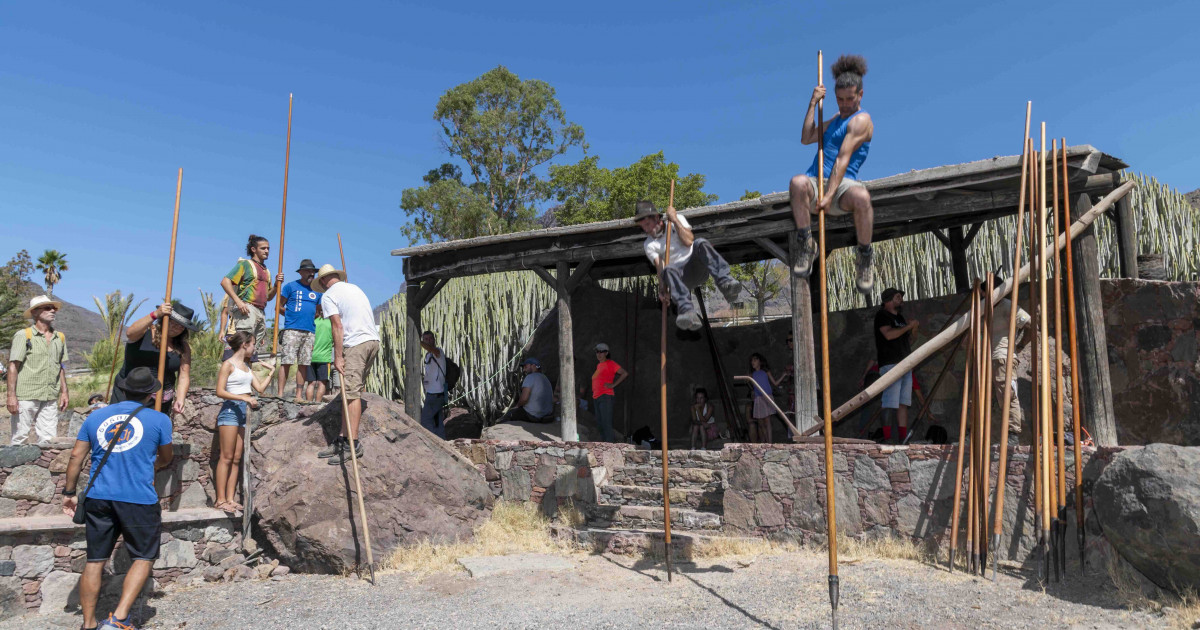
x: 864, y: 274
x: 805, y: 258
x: 112, y: 624
x: 689, y: 321
x: 732, y: 290
x: 337, y: 447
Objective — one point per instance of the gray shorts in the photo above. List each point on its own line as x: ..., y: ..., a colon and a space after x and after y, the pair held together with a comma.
x: 835, y: 209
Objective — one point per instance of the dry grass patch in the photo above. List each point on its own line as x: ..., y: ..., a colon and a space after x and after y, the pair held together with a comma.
x: 885, y: 548
x: 1179, y: 611
x: 512, y: 528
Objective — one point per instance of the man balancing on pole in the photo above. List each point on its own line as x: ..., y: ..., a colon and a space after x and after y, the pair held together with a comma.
x: 692, y: 261
x: 845, y: 142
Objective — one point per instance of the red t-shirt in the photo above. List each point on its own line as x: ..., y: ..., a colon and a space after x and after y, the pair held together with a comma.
x: 604, y: 374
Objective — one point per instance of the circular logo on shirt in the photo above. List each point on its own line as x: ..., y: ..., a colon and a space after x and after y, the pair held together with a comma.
x: 128, y: 439
x: 312, y: 296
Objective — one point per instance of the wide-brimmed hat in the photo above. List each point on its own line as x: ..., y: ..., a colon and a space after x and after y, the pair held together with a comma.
x: 307, y: 265
x: 140, y: 381
x: 40, y: 301
x: 328, y: 270
x: 184, y: 316
x: 643, y: 210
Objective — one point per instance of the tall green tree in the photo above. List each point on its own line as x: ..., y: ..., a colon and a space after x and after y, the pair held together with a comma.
x: 52, y: 264
x: 764, y: 279
x: 13, y: 292
x: 588, y: 192
x: 505, y: 130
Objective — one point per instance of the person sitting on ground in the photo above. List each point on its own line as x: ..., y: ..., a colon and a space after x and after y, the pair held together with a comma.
x: 536, y: 403
x: 122, y: 500
x: 96, y: 401
x: 322, y: 354
x: 692, y: 261
x: 236, y: 384
x: 845, y: 141
x: 248, y: 286
x: 296, y: 339
x: 702, y: 418
x: 999, y: 329
x: 143, y: 340
x: 355, y: 346
x: 762, y: 410
x: 37, y: 380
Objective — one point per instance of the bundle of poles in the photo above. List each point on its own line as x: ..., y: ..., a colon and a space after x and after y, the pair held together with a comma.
x: 1051, y: 278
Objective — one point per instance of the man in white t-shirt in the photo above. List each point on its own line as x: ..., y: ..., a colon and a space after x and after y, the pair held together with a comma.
x: 536, y: 402
x: 355, y: 345
x: 691, y: 261
x: 433, y: 380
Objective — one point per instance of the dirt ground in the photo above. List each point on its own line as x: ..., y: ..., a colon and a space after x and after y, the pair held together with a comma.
x: 780, y: 591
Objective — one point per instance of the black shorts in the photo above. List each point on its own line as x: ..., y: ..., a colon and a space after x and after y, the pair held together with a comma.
x: 317, y: 372
x: 140, y: 526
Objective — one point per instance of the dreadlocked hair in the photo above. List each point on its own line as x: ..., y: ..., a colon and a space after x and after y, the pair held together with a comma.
x: 849, y: 70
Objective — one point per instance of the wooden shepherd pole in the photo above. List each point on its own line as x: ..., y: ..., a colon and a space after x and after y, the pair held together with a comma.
x: 666, y: 489
x: 1060, y: 521
x: 962, y: 429
x: 164, y: 327
x: 1044, y: 363
x: 986, y: 436
x: 279, y: 297
x: 830, y: 506
x: 362, y: 508
x: 341, y: 253
x: 1002, y: 470
x: 1081, y: 532
x: 973, y: 456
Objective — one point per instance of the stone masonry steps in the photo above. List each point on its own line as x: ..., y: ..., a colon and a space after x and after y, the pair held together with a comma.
x: 650, y: 475
x: 703, y: 500
x: 651, y: 517
x: 684, y: 458
x: 638, y: 541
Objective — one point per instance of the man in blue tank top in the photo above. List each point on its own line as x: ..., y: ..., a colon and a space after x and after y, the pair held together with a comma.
x: 844, y: 141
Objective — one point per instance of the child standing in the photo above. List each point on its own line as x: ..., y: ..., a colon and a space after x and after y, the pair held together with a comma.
x: 322, y: 355
x: 236, y: 384
x: 702, y: 418
x: 762, y: 410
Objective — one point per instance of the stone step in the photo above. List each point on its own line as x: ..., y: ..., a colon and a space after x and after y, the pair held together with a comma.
x: 705, y: 500
x: 635, y: 541
x: 683, y: 458
x: 650, y: 475
x: 651, y: 517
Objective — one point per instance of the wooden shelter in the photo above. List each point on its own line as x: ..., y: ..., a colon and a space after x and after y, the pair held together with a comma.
x: 952, y: 202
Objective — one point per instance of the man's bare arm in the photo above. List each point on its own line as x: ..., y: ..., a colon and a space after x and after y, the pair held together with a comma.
x: 809, y: 133
x: 685, y: 233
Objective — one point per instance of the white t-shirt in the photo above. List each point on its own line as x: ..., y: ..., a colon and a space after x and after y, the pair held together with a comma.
x: 655, y: 245
x: 434, y: 376
x: 351, y: 304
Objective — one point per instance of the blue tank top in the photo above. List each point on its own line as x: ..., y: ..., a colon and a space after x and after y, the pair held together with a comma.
x: 835, y: 133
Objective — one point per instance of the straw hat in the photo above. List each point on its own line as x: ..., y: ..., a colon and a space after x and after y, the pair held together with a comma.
x: 39, y: 302
x: 328, y: 270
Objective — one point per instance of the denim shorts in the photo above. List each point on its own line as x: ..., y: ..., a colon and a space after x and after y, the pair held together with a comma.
x: 232, y: 414
x: 898, y: 393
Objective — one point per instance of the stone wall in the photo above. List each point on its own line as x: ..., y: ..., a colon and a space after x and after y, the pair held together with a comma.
x: 778, y: 491
x: 1152, y: 353
x: 42, y: 552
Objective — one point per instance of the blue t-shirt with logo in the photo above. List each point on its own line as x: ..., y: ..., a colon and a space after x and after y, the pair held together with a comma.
x: 129, y: 473
x: 301, y: 307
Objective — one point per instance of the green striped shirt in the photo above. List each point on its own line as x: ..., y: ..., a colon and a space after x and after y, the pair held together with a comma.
x: 41, y: 363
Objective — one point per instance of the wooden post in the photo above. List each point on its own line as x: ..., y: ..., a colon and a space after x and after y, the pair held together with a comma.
x: 566, y: 354
x: 958, y: 260
x: 804, y: 362
x: 1091, y: 365
x: 1127, y: 241
x: 412, y: 351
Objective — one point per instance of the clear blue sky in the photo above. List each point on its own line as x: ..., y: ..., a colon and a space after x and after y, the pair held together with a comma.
x: 102, y: 102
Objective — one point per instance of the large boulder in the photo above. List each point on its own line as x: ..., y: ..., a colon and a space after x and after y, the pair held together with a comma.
x: 1148, y: 502
x: 416, y: 487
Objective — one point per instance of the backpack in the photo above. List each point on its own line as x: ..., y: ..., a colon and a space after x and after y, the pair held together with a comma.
x: 29, y: 341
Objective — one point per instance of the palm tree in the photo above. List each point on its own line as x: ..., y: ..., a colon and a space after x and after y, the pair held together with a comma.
x: 52, y: 263
x: 116, y: 310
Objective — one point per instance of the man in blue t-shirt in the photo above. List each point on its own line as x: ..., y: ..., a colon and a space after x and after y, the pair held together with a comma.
x: 122, y: 499
x: 296, y: 340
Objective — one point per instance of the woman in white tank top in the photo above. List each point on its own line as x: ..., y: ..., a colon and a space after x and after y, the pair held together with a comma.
x: 236, y: 384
